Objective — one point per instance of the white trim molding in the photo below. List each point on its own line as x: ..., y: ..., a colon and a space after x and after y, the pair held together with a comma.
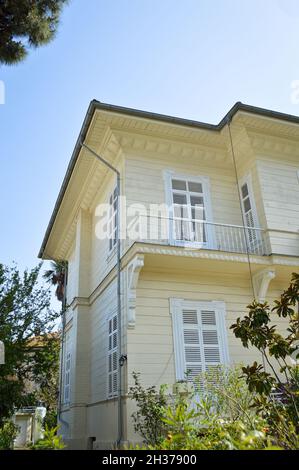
x: 133, y: 272
x: 261, y: 282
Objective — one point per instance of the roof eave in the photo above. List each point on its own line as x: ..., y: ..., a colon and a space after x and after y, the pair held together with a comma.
x: 97, y: 105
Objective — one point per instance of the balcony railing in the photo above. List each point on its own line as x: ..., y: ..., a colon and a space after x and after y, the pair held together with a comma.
x: 198, y: 234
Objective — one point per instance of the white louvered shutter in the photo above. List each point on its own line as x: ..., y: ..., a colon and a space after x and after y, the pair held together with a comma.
x: 210, y: 340
x: 249, y: 213
x: 192, y: 344
x: 67, y: 377
x: 112, y: 356
x: 200, y: 338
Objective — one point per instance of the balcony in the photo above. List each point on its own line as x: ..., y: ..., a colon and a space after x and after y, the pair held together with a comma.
x: 198, y: 234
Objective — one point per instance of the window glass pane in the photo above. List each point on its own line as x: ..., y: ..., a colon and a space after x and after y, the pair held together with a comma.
x: 196, y: 201
x: 197, y: 213
x: 179, y: 198
x: 199, y: 230
x: 182, y: 230
x: 247, y: 205
x: 178, y: 184
x: 181, y: 212
x: 244, y: 190
x: 195, y: 187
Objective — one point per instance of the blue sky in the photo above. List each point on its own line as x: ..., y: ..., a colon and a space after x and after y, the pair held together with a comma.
x: 191, y: 58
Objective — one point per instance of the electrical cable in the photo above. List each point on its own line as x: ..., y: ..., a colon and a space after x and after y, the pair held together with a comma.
x: 243, y: 216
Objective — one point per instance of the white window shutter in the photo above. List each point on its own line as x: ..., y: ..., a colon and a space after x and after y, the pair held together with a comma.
x: 67, y: 377
x: 192, y: 344
x: 200, y: 338
x: 249, y: 210
x: 210, y: 339
x: 112, y: 356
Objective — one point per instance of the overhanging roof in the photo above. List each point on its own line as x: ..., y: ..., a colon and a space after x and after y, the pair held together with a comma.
x: 97, y: 105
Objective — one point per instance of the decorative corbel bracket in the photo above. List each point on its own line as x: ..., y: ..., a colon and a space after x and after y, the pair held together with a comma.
x: 133, y: 272
x: 261, y: 281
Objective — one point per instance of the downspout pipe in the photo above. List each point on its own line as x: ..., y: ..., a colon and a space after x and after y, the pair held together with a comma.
x: 118, y: 271
x: 62, y: 349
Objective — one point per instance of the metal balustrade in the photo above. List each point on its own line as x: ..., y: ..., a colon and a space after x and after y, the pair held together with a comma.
x: 198, y: 234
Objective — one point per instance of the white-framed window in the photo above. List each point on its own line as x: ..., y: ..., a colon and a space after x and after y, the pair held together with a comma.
x: 112, y: 356
x: 67, y: 371
x: 112, y: 219
x: 200, y: 337
x: 249, y: 211
x: 191, y: 213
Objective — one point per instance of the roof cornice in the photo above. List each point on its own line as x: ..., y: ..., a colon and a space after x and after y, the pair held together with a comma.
x: 99, y: 106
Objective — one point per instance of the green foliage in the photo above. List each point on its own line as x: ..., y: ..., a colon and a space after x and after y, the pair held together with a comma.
x: 147, y: 419
x: 46, y: 372
x: 56, y: 277
x: 26, y: 23
x: 220, y: 417
x: 51, y: 440
x: 282, y: 377
x: 8, y: 433
x: 189, y: 430
x: 227, y: 393
x: 31, y: 351
x: 50, y: 420
x: 236, y: 409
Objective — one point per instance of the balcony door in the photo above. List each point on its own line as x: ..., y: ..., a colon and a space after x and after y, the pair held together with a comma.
x: 190, y: 211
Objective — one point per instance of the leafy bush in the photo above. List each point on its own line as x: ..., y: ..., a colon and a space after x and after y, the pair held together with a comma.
x: 51, y: 440
x: 255, y: 330
x: 234, y: 409
x: 50, y: 420
x: 147, y: 419
x: 219, y: 417
x: 188, y: 430
x: 226, y: 393
x: 8, y: 433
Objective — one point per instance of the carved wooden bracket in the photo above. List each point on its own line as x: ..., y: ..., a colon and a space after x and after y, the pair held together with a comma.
x: 133, y: 272
x: 261, y: 281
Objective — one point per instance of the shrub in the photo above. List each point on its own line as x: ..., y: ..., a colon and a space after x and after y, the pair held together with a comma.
x: 147, y: 419
x: 256, y: 329
x: 219, y: 416
x: 8, y: 433
x: 50, y: 420
x: 51, y: 440
x: 187, y: 430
